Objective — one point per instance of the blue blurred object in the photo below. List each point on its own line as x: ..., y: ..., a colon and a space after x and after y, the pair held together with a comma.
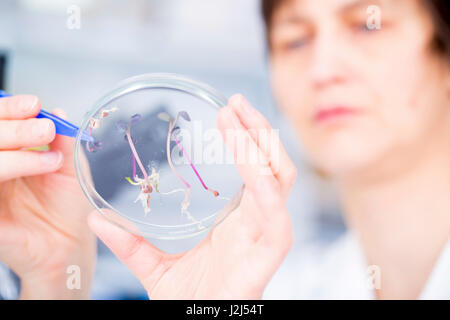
x: 62, y: 126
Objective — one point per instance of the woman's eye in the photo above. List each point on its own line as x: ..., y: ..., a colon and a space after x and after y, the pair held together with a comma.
x: 363, y: 27
x: 297, y: 44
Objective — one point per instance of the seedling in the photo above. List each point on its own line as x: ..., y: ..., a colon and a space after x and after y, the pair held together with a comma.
x: 149, y: 182
x: 145, y: 184
x: 95, y: 123
x: 172, y: 131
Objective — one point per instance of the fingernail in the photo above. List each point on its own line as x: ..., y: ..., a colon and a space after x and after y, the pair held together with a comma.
x: 40, y: 128
x: 28, y: 103
x: 51, y: 158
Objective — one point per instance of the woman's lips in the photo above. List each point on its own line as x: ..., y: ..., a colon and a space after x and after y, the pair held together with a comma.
x: 333, y: 113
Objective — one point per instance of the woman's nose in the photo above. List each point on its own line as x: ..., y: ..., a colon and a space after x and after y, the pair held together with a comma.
x: 328, y: 61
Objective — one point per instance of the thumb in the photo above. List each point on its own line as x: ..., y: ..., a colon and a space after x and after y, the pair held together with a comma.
x: 145, y: 261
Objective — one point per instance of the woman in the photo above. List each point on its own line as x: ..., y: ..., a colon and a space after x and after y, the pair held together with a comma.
x: 372, y: 110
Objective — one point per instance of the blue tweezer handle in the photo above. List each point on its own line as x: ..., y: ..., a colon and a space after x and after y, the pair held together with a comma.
x: 62, y: 126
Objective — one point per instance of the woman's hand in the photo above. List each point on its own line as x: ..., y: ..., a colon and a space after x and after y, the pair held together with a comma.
x: 238, y: 257
x: 43, y: 227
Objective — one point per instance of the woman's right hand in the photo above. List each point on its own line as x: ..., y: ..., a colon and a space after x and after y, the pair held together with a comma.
x: 43, y: 227
x: 238, y: 257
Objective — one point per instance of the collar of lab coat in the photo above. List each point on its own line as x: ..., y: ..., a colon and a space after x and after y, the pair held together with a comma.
x: 340, y: 271
x: 345, y: 274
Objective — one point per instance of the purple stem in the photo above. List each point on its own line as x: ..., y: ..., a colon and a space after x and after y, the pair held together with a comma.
x: 192, y: 166
x: 133, y: 150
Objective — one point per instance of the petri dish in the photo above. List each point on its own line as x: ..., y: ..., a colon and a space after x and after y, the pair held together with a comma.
x: 158, y: 166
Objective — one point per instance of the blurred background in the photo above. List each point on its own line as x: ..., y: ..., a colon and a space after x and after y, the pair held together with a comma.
x: 219, y: 42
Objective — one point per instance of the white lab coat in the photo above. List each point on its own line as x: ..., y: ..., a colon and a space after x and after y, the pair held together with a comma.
x: 341, y: 272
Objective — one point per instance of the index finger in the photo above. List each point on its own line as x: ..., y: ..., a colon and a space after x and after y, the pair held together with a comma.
x: 19, y: 107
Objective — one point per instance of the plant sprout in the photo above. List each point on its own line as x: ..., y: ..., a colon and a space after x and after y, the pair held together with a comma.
x: 95, y: 123
x: 150, y: 182
x: 172, y: 129
x: 145, y: 184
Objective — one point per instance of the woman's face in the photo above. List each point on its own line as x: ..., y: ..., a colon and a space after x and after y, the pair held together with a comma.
x: 357, y: 96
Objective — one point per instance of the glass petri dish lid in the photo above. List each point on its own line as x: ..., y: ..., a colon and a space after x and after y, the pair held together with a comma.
x: 157, y: 165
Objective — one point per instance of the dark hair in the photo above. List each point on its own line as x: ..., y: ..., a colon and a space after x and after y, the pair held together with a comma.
x: 439, y: 9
